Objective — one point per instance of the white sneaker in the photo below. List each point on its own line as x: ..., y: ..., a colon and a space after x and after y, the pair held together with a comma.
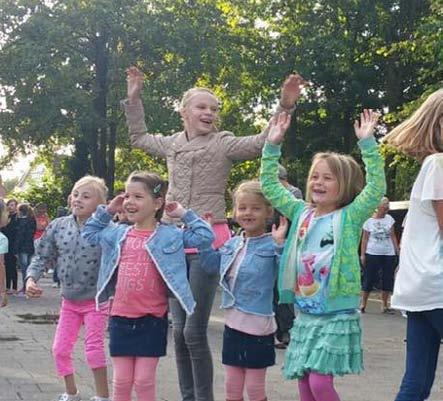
x: 50, y: 271
x: 97, y: 398
x: 69, y: 397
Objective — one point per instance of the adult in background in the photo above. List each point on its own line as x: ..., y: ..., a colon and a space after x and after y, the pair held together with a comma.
x: 24, y: 239
x: 379, y: 250
x: 199, y: 159
x: 41, y: 218
x: 10, y: 259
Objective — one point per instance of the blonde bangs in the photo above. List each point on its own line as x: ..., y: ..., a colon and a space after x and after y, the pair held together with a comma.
x: 94, y: 182
x: 251, y: 187
x: 347, y: 172
x: 421, y: 134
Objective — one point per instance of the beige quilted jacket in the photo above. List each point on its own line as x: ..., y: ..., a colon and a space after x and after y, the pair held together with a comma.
x: 198, y: 169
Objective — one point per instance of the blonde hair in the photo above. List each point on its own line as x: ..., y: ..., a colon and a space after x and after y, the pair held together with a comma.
x: 190, y: 93
x: 154, y: 184
x: 4, y: 215
x: 251, y: 187
x: 95, y: 182
x: 422, y: 133
x: 347, y: 172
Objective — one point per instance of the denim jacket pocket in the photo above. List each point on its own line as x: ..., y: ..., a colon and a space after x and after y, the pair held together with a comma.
x: 265, y: 253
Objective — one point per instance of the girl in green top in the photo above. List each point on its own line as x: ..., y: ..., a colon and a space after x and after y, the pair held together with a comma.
x: 319, y: 269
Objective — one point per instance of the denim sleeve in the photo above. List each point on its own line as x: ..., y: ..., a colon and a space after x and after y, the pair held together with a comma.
x: 97, y: 226
x: 197, y: 233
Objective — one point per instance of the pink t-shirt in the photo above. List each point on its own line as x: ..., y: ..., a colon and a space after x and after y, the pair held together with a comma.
x: 140, y: 288
x: 222, y: 234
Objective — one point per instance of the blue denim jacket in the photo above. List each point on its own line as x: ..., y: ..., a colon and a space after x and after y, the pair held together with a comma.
x: 165, y: 246
x: 255, y: 277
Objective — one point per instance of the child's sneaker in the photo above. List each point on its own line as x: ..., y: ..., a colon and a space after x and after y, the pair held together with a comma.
x: 69, y: 397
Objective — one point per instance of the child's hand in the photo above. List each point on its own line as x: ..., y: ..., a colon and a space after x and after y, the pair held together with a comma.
x: 277, y: 128
x: 209, y: 217
x: 32, y: 289
x: 279, y: 234
x: 174, y: 210
x: 368, y: 121
x: 116, y: 205
x: 290, y: 90
x: 134, y: 77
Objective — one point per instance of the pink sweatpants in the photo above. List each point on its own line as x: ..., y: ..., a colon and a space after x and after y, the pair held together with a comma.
x: 134, y: 371
x: 317, y: 387
x: 74, y: 314
x: 238, y: 378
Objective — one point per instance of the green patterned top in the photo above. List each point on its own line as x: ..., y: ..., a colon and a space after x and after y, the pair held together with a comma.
x: 344, y: 280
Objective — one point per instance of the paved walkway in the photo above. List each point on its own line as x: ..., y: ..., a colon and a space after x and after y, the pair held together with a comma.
x: 27, y: 372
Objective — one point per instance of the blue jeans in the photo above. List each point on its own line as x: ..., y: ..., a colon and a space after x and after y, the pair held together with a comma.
x: 192, y: 353
x: 24, y: 260
x: 423, y: 335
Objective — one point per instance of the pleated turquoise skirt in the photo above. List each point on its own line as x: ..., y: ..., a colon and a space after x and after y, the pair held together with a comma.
x: 326, y: 344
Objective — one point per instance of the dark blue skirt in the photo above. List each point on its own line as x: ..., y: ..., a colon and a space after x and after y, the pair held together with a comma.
x: 143, y: 336
x: 246, y: 350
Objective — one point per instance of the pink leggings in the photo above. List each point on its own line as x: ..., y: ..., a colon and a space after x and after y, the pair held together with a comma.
x: 74, y: 314
x: 237, y: 378
x: 134, y: 371
x: 317, y: 387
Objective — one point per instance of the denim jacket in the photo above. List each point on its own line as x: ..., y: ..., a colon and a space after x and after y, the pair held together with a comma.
x: 255, y: 277
x: 165, y: 247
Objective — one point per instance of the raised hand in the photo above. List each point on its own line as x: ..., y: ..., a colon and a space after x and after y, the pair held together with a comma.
x: 290, y: 90
x: 116, y: 205
x: 209, y: 217
x: 279, y: 233
x: 32, y: 289
x: 175, y: 210
x: 277, y: 128
x: 134, y: 77
x: 365, y: 127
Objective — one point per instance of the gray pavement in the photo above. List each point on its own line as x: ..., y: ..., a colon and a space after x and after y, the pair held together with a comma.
x: 27, y: 371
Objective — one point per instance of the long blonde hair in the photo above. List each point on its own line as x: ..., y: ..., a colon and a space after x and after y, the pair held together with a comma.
x: 347, y: 172
x: 422, y: 133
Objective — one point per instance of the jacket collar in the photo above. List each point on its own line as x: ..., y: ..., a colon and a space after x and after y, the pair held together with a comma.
x: 181, y: 143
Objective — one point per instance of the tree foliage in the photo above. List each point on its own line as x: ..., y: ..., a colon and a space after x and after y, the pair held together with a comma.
x: 62, y: 71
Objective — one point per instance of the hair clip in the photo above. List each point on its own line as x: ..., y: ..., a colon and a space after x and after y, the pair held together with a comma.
x: 157, y: 189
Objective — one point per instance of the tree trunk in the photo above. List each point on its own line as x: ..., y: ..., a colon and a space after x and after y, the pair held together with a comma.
x: 111, y: 156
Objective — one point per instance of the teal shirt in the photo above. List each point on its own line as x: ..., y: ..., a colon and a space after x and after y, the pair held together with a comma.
x: 344, y: 278
x: 3, y: 244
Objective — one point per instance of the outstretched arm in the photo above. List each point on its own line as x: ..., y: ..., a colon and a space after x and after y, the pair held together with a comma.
x: 155, y: 145
x: 249, y: 147
x: 275, y: 192
x: 363, y: 205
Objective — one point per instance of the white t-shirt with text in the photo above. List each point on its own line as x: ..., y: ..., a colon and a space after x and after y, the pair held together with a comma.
x: 419, y: 282
x: 379, y: 240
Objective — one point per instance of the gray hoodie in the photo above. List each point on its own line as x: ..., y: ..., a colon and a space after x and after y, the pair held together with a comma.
x: 77, y: 261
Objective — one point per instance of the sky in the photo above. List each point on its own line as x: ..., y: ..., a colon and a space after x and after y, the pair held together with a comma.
x: 17, y: 168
